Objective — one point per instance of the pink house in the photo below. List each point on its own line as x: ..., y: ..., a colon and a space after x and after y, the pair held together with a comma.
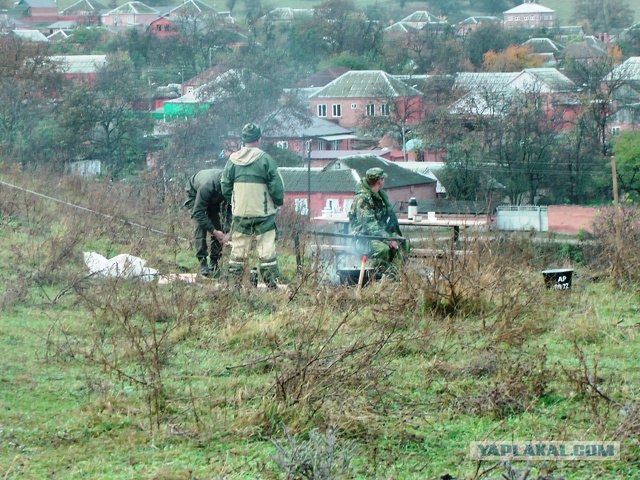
x: 356, y: 95
x: 529, y: 15
x: 333, y: 187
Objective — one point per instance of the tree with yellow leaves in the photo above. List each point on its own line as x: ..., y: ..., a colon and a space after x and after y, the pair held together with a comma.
x: 513, y: 59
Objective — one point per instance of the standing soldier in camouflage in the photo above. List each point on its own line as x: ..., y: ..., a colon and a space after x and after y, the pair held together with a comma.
x: 372, y: 214
x: 252, y: 183
x: 211, y: 215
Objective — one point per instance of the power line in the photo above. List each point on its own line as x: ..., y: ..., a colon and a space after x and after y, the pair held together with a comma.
x: 89, y: 210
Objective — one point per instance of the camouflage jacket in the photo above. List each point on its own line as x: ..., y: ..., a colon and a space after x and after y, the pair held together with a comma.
x: 372, y: 213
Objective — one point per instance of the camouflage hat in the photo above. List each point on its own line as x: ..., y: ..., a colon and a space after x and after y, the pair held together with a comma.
x: 374, y: 174
x: 251, y: 133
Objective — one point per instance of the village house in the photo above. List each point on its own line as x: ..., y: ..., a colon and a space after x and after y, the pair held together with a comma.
x: 130, y: 14
x: 529, y: 15
x: 333, y: 187
x: 489, y: 93
x: 471, y: 24
x: 306, y: 138
x: 356, y: 95
x: 84, y: 12
x: 80, y: 68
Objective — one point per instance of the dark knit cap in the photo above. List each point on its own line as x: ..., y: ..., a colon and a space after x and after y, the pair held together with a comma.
x: 250, y: 133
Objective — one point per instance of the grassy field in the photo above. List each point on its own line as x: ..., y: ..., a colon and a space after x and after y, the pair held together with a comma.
x: 113, y: 379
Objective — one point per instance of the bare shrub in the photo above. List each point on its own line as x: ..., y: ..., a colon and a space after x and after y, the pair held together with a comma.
x: 629, y: 426
x: 320, y: 457
x: 135, y: 328
x: 518, y: 384
x: 619, y: 250
x: 586, y: 381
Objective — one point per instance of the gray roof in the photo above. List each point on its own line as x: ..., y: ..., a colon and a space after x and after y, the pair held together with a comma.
x: 366, y: 84
x: 292, y: 127
x: 530, y: 8
x: 286, y: 14
x: 629, y: 70
x: 543, y: 45
x: 85, y: 5
x: 30, y: 35
x: 325, y: 181
x: 63, y: 25
x: 80, y: 63
x: 480, y: 19
x: 397, y: 176
x: 421, y: 16
x: 194, y: 6
x: 132, y: 8
x: 551, y: 77
x: 487, y: 81
x: 401, y: 27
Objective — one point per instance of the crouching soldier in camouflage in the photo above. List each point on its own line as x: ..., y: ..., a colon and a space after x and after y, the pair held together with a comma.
x: 211, y: 215
x: 372, y: 214
x: 252, y: 183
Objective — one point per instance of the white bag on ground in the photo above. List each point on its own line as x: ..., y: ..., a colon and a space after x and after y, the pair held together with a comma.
x: 120, y: 266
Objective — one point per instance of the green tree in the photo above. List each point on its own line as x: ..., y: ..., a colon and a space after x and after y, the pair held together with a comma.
x: 627, y: 151
x: 100, y: 121
x: 29, y: 82
x: 603, y: 15
x: 463, y: 175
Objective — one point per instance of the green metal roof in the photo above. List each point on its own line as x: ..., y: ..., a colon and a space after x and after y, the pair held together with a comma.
x: 397, y: 175
x: 366, y: 84
x: 325, y: 181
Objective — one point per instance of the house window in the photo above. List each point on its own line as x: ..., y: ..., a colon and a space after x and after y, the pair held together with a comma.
x: 347, y: 204
x: 300, y: 205
x: 284, y: 145
x: 333, y: 205
x: 615, y: 130
x: 336, y: 109
x: 371, y: 110
x: 322, y: 110
x: 385, y: 109
x: 354, y: 106
x: 159, y: 28
x: 189, y: 89
x: 517, y: 19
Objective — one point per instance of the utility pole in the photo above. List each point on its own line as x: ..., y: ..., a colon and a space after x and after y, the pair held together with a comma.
x: 308, y: 147
x: 617, y: 265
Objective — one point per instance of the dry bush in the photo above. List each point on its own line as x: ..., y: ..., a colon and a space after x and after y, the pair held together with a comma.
x: 319, y: 457
x: 515, y: 388
x: 629, y: 426
x: 318, y: 359
x: 585, y: 380
x: 134, y: 329
x: 622, y: 258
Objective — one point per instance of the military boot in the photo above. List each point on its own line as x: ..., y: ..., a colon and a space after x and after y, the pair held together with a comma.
x: 205, y: 271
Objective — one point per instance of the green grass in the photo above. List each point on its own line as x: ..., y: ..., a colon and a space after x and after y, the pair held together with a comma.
x: 408, y: 410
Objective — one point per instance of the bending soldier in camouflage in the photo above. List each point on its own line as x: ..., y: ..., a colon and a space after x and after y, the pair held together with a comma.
x: 372, y: 214
x: 211, y: 215
x: 252, y: 183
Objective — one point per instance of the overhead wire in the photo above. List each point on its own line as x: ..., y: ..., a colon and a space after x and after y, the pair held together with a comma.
x: 95, y: 212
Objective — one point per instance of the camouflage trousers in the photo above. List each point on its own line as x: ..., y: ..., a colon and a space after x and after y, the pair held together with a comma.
x: 265, y: 247
x: 381, y: 256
